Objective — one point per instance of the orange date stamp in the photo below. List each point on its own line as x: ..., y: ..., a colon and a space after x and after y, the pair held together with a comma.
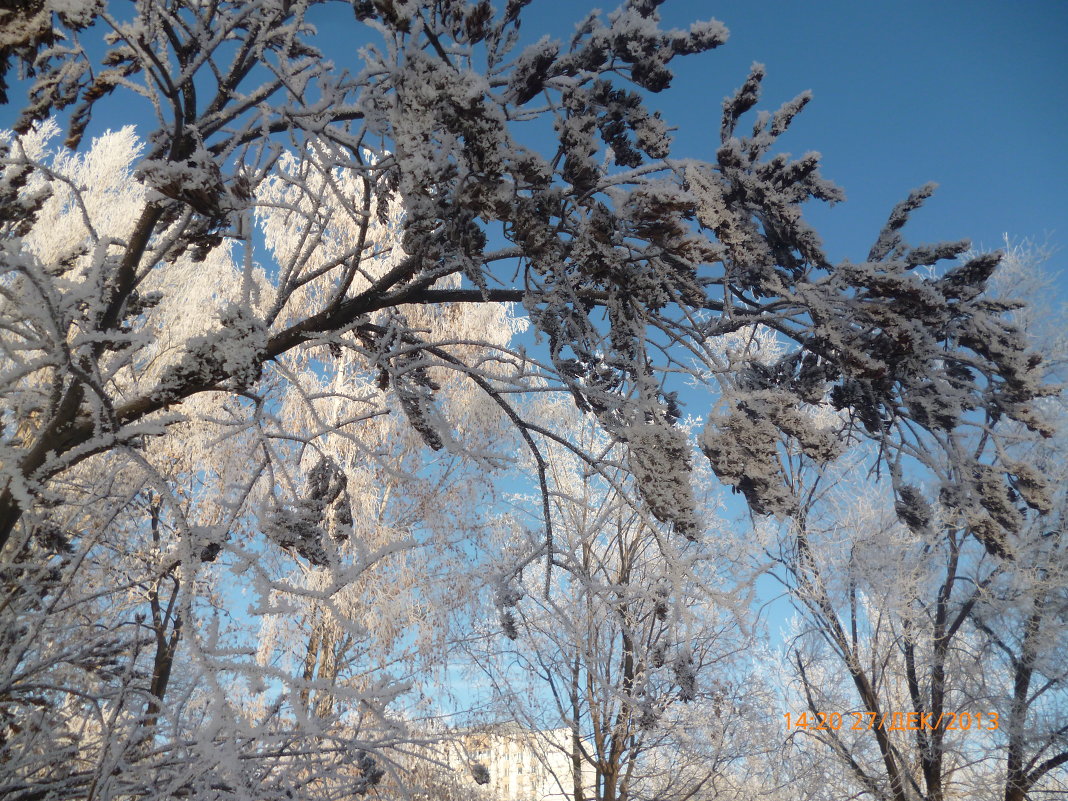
x: 893, y: 721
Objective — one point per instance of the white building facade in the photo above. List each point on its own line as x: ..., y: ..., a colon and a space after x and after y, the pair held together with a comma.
x: 525, y: 765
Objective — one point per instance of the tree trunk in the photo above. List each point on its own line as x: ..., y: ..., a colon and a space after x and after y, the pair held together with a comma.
x: 576, y: 747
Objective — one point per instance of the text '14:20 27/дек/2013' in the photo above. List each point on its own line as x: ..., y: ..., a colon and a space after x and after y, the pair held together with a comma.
x: 893, y: 721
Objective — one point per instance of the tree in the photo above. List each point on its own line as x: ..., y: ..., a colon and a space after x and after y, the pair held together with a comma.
x: 589, y: 236
x: 630, y: 265
x: 112, y: 613
x: 945, y: 659
x: 380, y: 491
x: 636, y: 651
x: 948, y: 650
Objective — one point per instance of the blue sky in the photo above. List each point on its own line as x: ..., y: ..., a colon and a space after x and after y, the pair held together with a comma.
x: 972, y: 95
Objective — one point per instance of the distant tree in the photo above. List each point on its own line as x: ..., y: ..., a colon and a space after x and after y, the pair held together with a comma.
x: 637, y: 647
x: 363, y: 476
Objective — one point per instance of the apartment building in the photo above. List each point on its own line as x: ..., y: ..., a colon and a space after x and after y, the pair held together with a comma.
x: 523, y: 764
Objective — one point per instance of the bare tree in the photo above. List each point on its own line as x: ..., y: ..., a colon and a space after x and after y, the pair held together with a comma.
x: 940, y: 657
x: 637, y: 649
x: 121, y: 606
